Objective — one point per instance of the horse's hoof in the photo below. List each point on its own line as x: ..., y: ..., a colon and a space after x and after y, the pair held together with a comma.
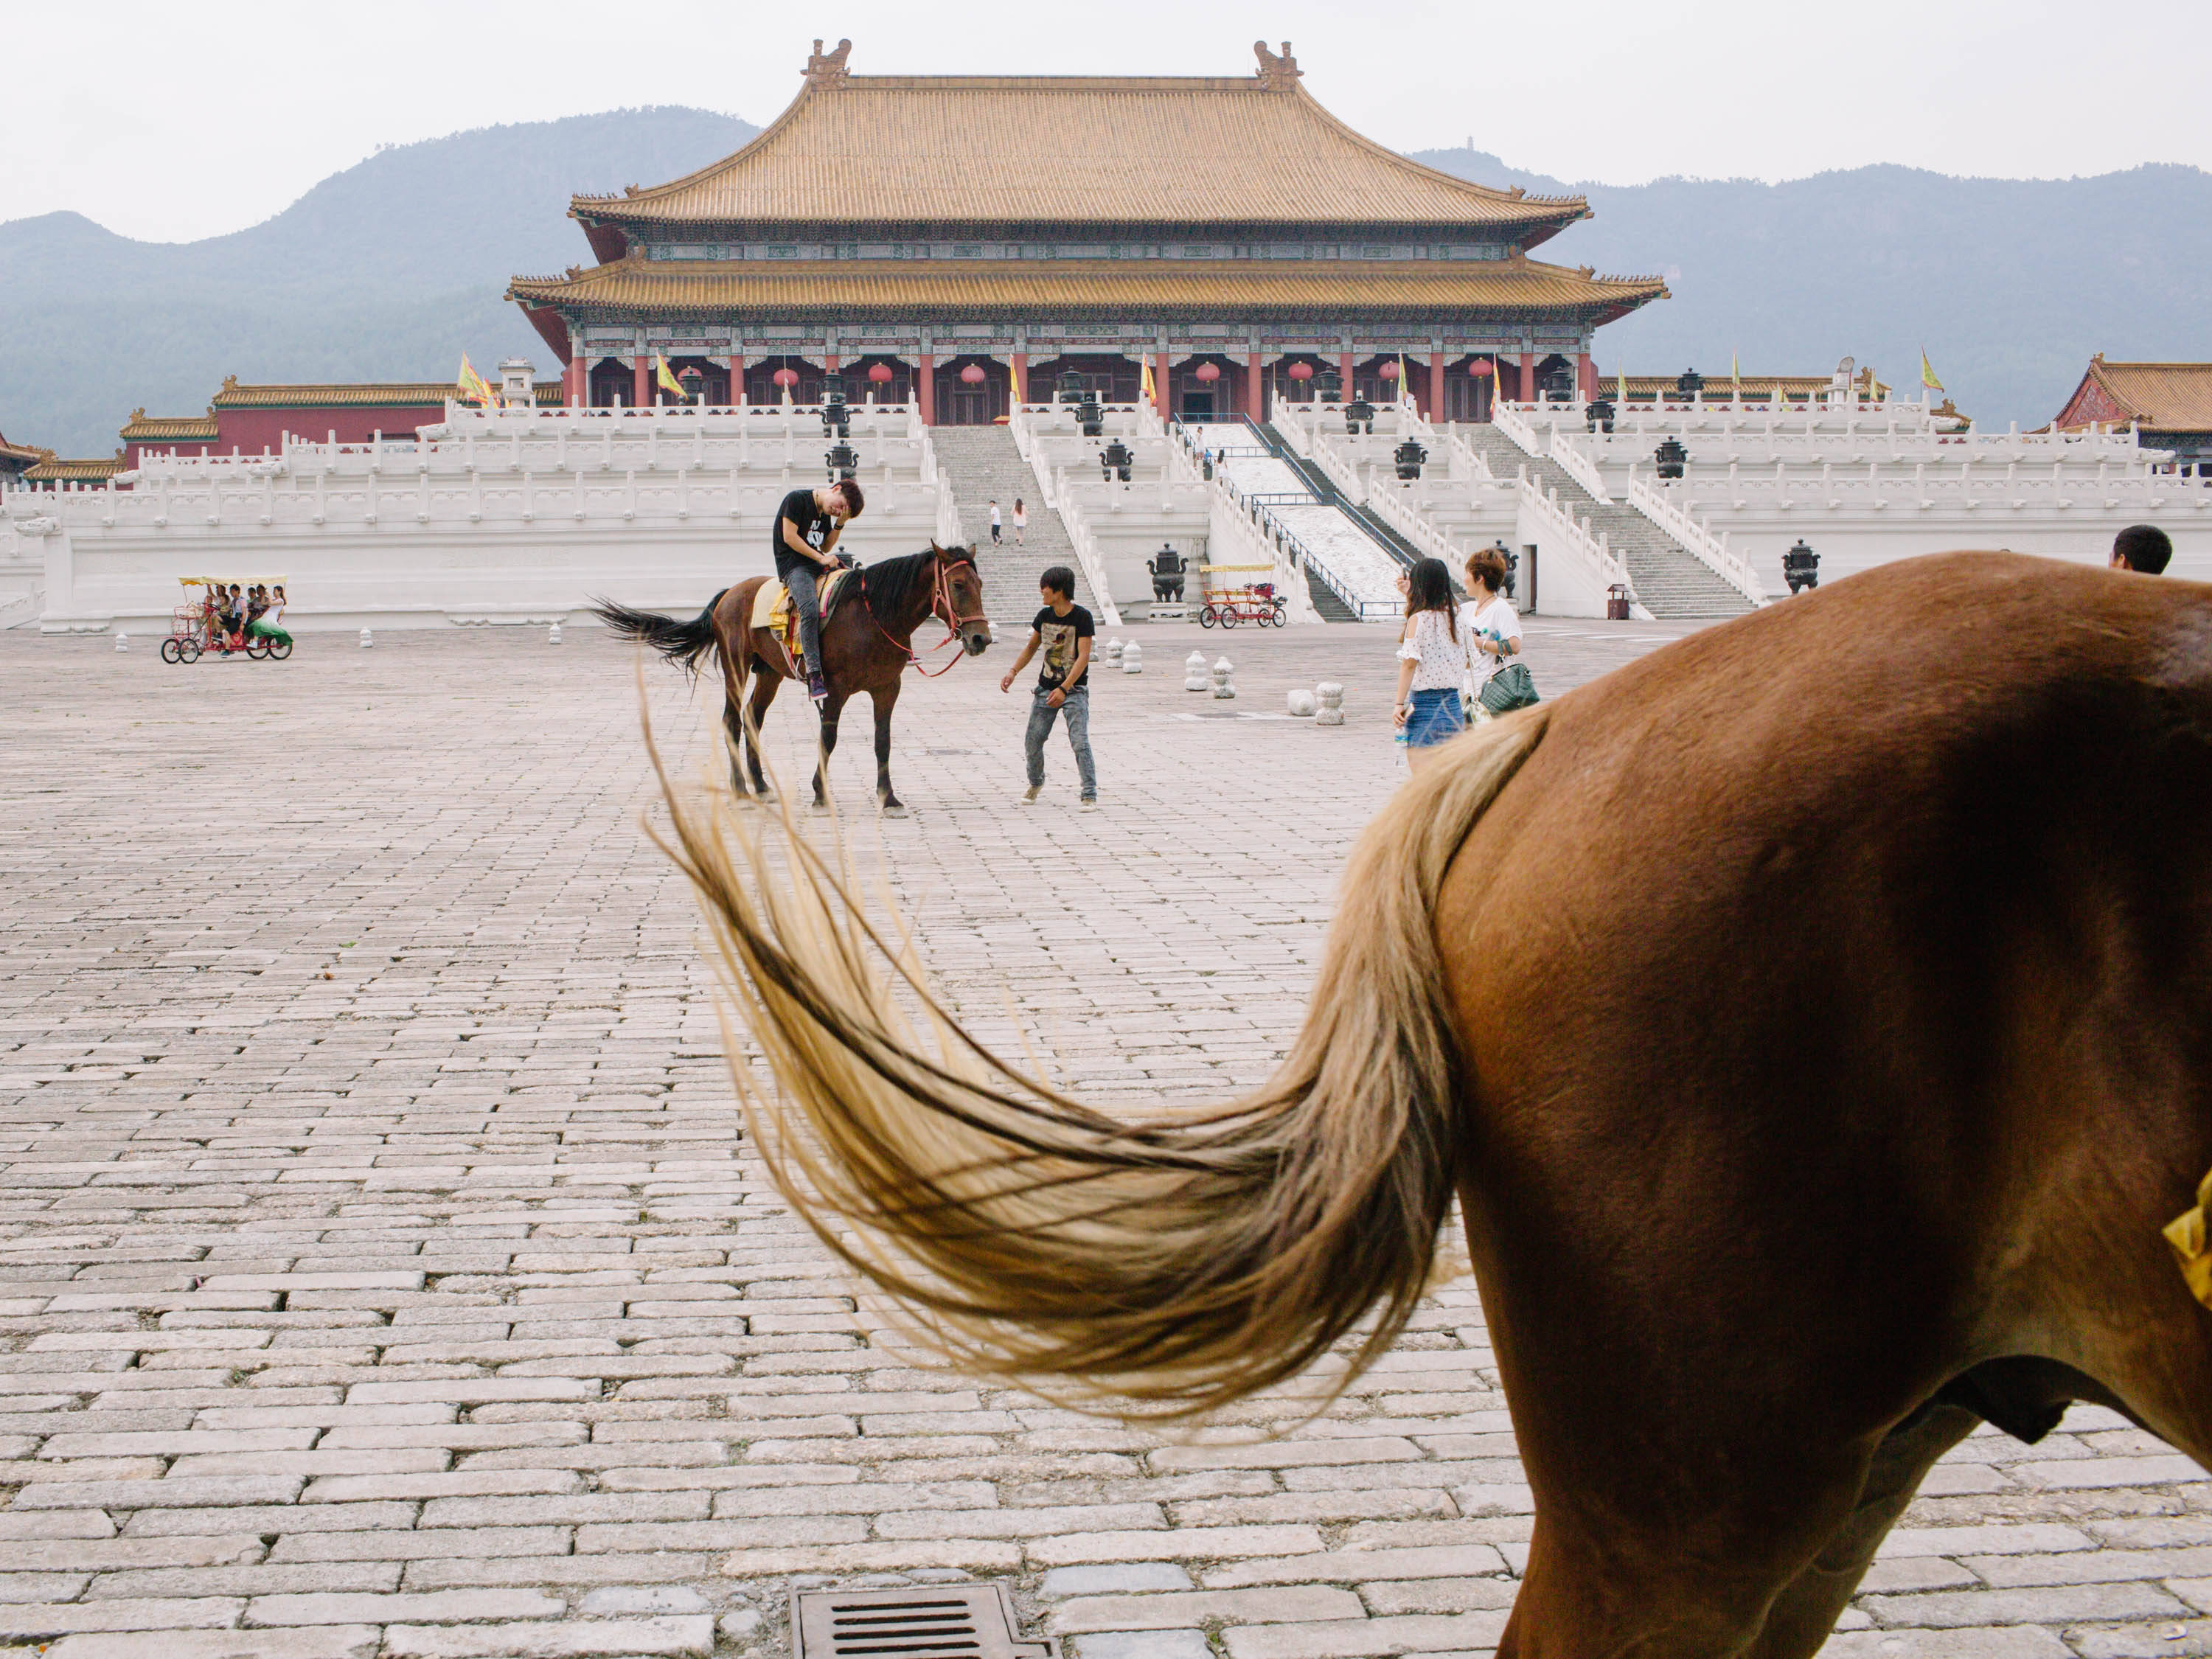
x: 894, y: 809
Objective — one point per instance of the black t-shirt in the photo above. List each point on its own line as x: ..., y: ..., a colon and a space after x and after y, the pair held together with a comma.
x: 812, y: 524
x: 1056, y: 652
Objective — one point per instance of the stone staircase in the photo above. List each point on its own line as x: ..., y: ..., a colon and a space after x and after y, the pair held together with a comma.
x: 1324, y: 488
x: 1670, y: 581
x: 982, y: 465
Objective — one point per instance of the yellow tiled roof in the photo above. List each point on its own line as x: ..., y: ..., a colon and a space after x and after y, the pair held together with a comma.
x: 360, y: 394
x: 169, y: 429
x: 53, y: 471
x: 2158, y: 397
x: 23, y: 454
x: 1039, y: 288
x: 1082, y: 150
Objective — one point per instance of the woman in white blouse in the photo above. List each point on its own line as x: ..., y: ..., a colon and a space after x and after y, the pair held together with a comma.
x: 1432, y: 661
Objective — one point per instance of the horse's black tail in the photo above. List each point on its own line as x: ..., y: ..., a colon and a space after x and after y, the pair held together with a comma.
x: 681, y: 643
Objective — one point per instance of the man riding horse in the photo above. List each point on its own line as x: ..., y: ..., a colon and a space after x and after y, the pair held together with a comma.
x: 807, y: 526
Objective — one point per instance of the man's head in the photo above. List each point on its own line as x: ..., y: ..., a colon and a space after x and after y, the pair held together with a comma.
x: 1057, y: 584
x: 2141, y: 547
x: 844, y: 500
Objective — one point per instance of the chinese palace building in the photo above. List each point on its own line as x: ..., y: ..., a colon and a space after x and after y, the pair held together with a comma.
x: 2168, y: 405
x: 962, y: 241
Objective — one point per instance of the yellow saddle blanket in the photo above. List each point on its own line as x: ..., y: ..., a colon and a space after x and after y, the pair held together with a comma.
x: 773, y: 610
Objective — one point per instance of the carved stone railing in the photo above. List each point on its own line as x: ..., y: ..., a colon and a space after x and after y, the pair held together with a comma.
x: 1700, y: 542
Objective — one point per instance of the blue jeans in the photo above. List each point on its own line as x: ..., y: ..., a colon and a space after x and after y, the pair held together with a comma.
x: 1435, y: 718
x: 798, y: 576
x: 1077, y: 709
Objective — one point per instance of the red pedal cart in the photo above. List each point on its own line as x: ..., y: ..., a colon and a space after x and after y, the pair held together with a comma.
x: 195, y: 627
x: 1230, y: 596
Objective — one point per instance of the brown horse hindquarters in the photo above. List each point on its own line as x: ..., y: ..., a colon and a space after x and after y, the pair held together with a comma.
x: 1833, y: 988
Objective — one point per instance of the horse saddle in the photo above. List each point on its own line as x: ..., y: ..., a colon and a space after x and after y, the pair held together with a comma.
x: 773, y: 610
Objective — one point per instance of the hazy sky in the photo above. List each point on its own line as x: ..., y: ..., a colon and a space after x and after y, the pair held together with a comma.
x: 171, y: 122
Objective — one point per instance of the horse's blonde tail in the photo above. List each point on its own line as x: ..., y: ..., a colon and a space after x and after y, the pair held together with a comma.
x: 1179, y: 1261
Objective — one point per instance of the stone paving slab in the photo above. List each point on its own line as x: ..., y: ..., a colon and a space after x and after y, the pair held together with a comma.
x: 382, y: 1272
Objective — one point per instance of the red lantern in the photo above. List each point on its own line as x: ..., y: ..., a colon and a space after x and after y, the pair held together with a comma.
x: 1302, y: 371
x: 973, y: 374
x: 1209, y: 372
x: 1479, y: 369
x: 786, y: 377
x: 1389, y: 371
x: 880, y: 373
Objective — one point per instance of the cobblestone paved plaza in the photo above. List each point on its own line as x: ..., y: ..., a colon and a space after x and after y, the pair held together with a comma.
x: 381, y: 1272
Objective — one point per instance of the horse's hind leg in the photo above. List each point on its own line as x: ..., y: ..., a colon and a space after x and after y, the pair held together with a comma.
x: 1806, y: 1612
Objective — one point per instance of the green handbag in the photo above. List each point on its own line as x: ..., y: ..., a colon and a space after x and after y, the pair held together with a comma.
x: 1510, y: 688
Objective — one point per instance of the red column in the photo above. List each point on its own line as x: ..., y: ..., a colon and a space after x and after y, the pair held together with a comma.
x: 1255, y: 392
x: 641, y: 379
x: 737, y: 378
x: 1343, y: 367
x: 572, y: 383
x: 925, y: 388
x: 1528, y: 378
x: 1585, y: 376
x: 1018, y: 376
x: 1162, y: 403
x: 1435, y: 411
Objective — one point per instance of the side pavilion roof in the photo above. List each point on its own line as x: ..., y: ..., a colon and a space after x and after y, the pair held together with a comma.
x: 1165, y: 151
x: 2154, y: 396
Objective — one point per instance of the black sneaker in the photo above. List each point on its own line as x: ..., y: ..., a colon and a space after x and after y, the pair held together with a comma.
x: 817, y: 688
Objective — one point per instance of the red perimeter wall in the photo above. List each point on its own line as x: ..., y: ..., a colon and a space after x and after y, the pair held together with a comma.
x: 250, y: 430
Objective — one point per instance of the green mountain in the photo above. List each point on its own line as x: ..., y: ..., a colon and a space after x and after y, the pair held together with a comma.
x: 2010, y: 285
x: 386, y: 271
x: 391, y: 269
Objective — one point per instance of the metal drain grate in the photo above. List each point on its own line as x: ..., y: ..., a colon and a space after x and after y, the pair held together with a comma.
x: 922, y: 1621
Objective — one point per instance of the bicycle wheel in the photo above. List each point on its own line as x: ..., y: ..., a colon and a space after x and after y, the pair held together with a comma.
x: 1229, y: 616
x: 280, y: 650
x: 1206, y: 617
x: 172, y: 651
x: 190, y: 650
x: 256, y: 649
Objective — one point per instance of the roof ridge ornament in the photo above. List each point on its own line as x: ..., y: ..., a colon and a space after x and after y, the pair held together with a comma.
x: 828, y: 69
x: 1278, y: 72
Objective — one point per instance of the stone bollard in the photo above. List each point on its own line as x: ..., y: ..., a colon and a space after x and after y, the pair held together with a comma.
x: 553, y: 634
x: 1194, y: 677
x: 122, y: 641
x: 1114, y: 652
x: 1222, y: 687
x: 1302, y: 704
x: 366, y: 639
x: 1332, y: 703
x: 1133, y: 658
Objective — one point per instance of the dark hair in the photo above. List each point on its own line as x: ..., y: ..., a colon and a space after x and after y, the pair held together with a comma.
x: 1060, y: 579
x: 854, y: 499
x: 2145, y: 547
x: 1428, y: 587
x: 1486, y: 566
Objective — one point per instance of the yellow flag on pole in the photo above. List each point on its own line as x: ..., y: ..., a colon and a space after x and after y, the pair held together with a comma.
x: 666, y: 381
x: 1928, y: 373
x: 1735, y: 374
x: 1496, y: 385
x: 1146, y: 388
x: 1620, y: 382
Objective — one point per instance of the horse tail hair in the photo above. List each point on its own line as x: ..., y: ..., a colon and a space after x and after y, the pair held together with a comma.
x: 683, y: 643
x: 1170, y: 1264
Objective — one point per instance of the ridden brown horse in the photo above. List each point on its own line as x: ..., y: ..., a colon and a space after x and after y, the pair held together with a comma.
x: 866, y: 645
x: 1814, y: 1019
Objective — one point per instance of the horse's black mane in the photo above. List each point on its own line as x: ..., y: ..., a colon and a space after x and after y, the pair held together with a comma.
x: 890, y: 581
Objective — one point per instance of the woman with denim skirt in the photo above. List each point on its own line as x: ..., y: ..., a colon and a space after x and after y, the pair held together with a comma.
x: 1432, y: 662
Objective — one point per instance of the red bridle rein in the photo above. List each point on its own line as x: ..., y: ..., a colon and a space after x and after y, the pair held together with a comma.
x: 941, y: 607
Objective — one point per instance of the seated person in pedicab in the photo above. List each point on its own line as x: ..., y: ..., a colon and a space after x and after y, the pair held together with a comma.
x: 807, y: 526
x: 234, y: 619
x: 265, y: 625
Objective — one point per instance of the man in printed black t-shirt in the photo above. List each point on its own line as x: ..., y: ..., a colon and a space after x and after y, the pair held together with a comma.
x: 1065, y: 630
x: 807, y: 526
